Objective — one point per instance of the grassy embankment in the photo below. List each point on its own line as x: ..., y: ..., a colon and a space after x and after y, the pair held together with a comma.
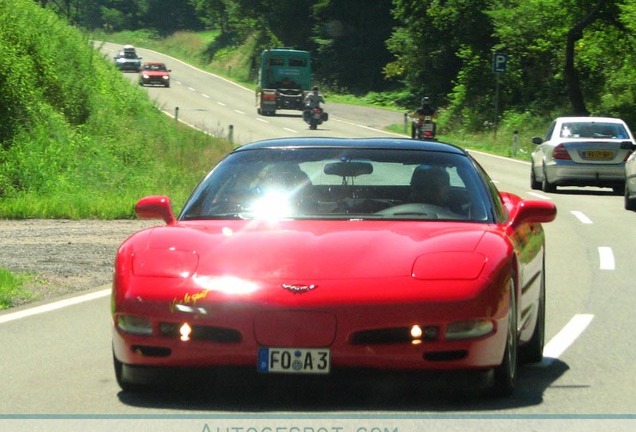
x: 77, y: 139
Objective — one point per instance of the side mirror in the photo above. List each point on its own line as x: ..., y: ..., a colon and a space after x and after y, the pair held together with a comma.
x: 537, y: 140
x: 155, y: 207
x: 627, y: 145
x: 533, y: 211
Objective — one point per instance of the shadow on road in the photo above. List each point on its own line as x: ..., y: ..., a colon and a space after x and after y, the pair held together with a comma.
x: 241, y: 390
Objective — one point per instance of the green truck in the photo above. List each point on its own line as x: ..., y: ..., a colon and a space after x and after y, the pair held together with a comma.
x: 284, y: 78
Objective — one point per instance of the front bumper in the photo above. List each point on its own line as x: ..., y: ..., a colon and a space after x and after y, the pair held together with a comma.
x: 360, y: 342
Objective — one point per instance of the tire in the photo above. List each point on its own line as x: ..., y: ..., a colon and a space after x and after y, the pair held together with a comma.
x: 546, y: 186
x: 532, y: 352
x: 534, y: 184
x: 630, y: 203
x: 119, y: 376
x: 618, y: 190
x: 123, y: 373
x: 505, y: 376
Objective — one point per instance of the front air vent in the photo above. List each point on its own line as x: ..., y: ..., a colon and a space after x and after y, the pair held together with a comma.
x: 202, y: 333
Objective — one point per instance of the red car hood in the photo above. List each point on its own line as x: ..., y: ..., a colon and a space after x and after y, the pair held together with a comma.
x: 316, y: 250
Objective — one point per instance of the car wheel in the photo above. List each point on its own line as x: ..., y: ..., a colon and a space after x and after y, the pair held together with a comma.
x: 532, y: 352
x: 618, y: 190
x: 630, y: 203
x: 534, y: 184
x: 122, y: 380
x: 505, y: 376
x: 546, y: 186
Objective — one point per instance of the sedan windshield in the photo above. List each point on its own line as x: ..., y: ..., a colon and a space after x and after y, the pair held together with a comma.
x: 337, y: 183
x: 593, y: 130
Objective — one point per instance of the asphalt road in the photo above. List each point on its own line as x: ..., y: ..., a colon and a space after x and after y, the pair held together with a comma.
x: 57, y: 359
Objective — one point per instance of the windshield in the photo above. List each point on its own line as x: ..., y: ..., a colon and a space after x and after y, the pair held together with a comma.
x: 593, y: 130
x: 341, y: 183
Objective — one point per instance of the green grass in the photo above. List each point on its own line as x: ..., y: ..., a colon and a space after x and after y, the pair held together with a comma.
x: 12, y: 289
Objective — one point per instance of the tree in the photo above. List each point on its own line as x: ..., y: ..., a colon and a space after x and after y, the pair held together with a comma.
x: 350, y: 38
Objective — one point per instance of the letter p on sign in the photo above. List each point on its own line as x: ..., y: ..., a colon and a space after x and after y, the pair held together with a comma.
x: 499, y: 62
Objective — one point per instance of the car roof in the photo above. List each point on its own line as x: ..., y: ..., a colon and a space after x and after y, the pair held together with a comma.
x: 332, y: 142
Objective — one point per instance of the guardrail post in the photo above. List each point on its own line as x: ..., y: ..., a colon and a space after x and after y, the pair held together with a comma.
x: 230, y: 136
x: 176, y: 114
x: 515, y: 142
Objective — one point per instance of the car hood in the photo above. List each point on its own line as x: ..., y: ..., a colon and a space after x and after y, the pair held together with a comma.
x: 316, y: 250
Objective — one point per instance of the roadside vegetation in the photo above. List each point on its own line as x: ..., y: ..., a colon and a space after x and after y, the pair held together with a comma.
x: 12, y: 290
x: 77, y: 140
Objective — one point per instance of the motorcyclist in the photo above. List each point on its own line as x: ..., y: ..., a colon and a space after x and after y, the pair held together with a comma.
x: 312, y: 100
x: 420, y: 114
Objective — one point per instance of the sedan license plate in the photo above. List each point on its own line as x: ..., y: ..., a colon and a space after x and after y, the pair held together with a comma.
x: 597, y: 154
x: 294, y: 360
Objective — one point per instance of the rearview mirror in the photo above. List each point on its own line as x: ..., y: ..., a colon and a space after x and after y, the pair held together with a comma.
x: 348, y: 169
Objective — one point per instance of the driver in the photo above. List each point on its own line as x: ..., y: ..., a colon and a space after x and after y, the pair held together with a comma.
x: 430, y: 185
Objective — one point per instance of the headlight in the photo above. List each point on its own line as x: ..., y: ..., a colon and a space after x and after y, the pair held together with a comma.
x: 469, y: 329
x: 134, y: 324
x: 165, y: 77
x: 145, y: 76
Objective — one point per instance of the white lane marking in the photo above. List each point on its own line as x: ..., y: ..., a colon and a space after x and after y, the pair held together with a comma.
x: 261, y: 120
x: 53, y: 306
x: 566, y: 337
x: 221, y: 103
x: 205, y: 96
x: 192, y: 89
x: 290, y: 130
x: 239, y: 112
x: 581, y: 217
x: 606, y: 258
x: 540, y: 196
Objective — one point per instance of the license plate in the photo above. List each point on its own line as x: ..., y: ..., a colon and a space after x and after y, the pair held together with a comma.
x: 427, y: 127
x: 294, y: 360
x: 598, y: 155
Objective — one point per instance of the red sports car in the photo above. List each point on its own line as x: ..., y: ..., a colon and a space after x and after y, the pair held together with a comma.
x: 316, y: 255
x: 154, y: 73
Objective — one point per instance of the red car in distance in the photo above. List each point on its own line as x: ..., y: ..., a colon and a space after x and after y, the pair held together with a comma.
x: 154, y: 73
x: 318, y: 255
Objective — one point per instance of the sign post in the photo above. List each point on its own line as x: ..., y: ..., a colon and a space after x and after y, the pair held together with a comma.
x: 499, y: 63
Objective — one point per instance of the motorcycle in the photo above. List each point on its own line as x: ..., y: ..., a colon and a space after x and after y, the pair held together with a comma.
x: 314, y: 116
x: 424, y: 129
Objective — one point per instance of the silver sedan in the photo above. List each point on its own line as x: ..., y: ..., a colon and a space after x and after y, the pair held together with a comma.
x: 582, y: 151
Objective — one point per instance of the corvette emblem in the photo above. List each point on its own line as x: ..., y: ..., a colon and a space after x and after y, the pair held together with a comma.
x: 299, y: 289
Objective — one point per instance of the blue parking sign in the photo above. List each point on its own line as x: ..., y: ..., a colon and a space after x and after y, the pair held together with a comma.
x: 499, y: 61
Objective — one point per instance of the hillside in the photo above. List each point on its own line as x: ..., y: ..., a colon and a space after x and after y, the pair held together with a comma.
x: 77, y: 140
